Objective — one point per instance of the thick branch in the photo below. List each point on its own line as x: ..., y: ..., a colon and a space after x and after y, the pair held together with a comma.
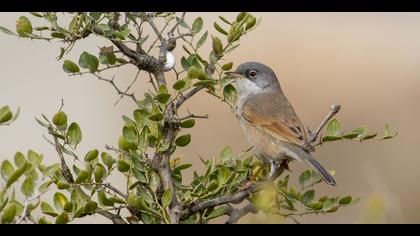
x: 313, y: 135
x: 236, y: 214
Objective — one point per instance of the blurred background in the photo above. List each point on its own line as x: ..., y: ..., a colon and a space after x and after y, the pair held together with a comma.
x: 367, y: 62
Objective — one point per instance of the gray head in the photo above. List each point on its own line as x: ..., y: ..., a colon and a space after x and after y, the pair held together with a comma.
x: 254, y: 77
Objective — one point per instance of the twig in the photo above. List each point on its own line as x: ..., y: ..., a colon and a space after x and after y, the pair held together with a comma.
x: 106, y: 185
x: 119, y: 91
x: 25, y: 212
x: 171, y: 31
x: 313, y: 135
x: 154, y: 42
x: 128, y: 88
x: 188, y: 95
x: 153, y: 82
x: 193, y: 116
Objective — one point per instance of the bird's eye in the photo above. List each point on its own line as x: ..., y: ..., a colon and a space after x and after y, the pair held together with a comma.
x: 252, y: 74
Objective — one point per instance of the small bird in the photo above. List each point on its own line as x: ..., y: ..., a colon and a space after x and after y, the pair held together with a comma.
x: 269, y: 121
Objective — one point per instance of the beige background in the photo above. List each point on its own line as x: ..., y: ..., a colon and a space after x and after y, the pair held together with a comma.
x: 367, y: 62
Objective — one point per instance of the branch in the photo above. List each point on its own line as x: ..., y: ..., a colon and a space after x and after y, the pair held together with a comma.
x: 185, y: 97
x: 64, y: 168
x: 192, y: 116
x: 313, y: 135
x: 236, y: 197
x: 25, y: 212
x: 236, y: 214
x: 165, y: 169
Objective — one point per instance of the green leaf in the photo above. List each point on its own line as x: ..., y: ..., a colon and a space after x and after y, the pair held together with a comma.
x: 95, y: 15
x: 240, y: 16
x: 163, y: 97
x: 99, y: 173
x: 304, y: 178
x: 328, y: 204
x: 28, y: 187
x: 60, y: 119
x: 219, y: 211
x: 130, y: 134
x: 185, y: 63
x: 7, y: 31
x: 6, y: 169
x: 154, y: 181
x: 183, y: 140
x: 58, y: 35
x: 63, y: 218
x: 182, y: 167
x: 369, y: 136
x: 9, y: 213
x: 104, y: 200
x: 345, y: 200
x: 188, y: 123
x: 90, y: 207
x: 179, y: 85
x: 217, y: 46
x: 251, y: 22
x: 230, y: 94
x: 315, y: 205
x: 308, y: 197
x: 202, y: 40
x: 18, y: 173
x: 92, y: 155
x: 225, y: 20
x: 82, y: 177
x: 350, y: 135
x: 107, y: 160
x: 68, y: 207
x: 333, y: 128
x: 223, y: 175
x: 226, y: 154
x: 70, y: 67
x: 123, y: 166
x: 19, y: 159
x: 47, y: 209
x: 89, y: 61
x: 59, y: 201
x: 74, y: 134
x: 167, y: 197
x: 156, y: 117
x: 62, y: 185
x: 5, y: 114
x: 227, y: 66
x: 23, y: 27
x: 330, y: 138
x: 197, y: 25
x: 361, y: 131
x: 219, y: 29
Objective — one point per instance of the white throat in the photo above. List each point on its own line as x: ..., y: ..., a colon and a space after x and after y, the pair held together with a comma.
x: 246, y: 88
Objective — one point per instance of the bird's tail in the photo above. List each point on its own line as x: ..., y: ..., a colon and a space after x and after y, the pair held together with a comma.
x: 321, y: 170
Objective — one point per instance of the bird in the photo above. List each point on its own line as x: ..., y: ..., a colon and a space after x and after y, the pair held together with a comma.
x: 269, y: 121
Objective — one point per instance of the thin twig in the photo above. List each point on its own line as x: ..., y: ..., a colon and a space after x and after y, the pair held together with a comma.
x: 128, y: 88
x: 119, y: 91
x: 193, y: 116
x: 154, y: 42
x: 171, y: 31
x: 188, y: 95
x: 313, y: 135
x: 25, y: 212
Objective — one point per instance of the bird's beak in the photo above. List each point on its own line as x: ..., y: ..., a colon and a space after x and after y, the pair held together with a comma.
x: 234, y: 74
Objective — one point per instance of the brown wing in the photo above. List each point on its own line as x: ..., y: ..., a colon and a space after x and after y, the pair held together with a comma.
x: 273, y: 114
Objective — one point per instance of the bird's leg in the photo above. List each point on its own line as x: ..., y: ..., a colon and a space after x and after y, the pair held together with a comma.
x: 273, y: 168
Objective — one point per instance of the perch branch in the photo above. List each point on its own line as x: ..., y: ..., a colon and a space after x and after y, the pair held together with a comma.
x: 236, y: 197
x: 313, y: 135
x: 236, y: 214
